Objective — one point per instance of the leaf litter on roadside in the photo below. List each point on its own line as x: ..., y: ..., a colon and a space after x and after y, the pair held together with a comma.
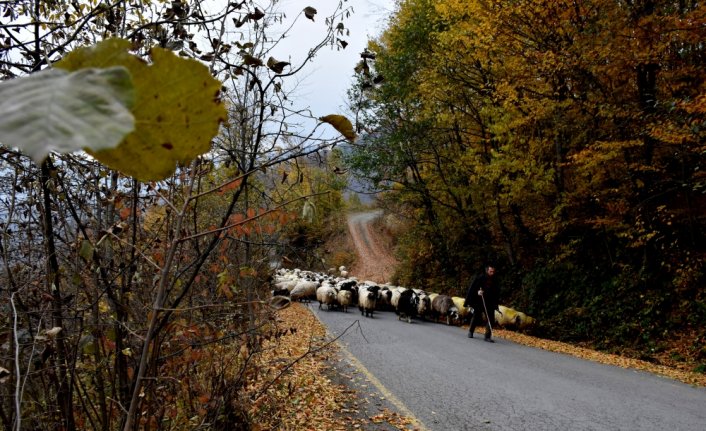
x: 303, y: 397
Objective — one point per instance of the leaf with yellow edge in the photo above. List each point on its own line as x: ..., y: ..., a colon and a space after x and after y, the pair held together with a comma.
x: 342, y: 124
x: 177, y: 109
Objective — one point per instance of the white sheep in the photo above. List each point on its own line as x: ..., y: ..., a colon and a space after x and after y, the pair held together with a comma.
x: 286, y: 284
x: 395, y: 297
x: 345, y: 299
x: 304, y: 289
x: 326, y: 294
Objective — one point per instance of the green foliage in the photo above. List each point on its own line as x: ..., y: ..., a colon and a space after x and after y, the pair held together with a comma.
x: 177, y: 108
x: 526, y: 134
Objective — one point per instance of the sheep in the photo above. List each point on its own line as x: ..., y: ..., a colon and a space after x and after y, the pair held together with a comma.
x: 367, y: 299
x: 508, y: 317
x: 395, y: 297
x: 286, y: 284
x: 304, y: 289
x: 432, y: 296
x: 443, y: 306
x: 407, y: 305
x: 346, y: 283
x: 464, y: 313
x: 344, y: 298
x: 350, y: 285
x: 424, y: 306
x: 326, y: 294
x: 384, y: 298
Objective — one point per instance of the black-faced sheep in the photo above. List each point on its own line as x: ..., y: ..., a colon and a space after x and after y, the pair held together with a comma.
x: 407, y: 305
x: 385, y: 298
x: 367, y: 299
x: 443, y: 306
x: 350, y: 285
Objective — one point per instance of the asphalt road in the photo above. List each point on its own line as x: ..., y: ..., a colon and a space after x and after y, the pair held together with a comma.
x: 450, y: 382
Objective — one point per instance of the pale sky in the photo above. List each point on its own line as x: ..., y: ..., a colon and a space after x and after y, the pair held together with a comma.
x: 327, y: 79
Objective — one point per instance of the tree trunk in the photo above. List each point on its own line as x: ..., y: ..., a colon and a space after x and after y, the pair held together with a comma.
x: 53, y: 284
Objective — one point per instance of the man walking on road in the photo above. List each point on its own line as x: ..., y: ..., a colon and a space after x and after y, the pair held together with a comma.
x: 483, y: 296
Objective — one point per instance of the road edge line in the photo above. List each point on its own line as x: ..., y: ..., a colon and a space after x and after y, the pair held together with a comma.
x: 389, y: 396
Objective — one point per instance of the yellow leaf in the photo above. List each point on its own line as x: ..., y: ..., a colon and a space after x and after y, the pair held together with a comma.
x: 177, y: 108
x: 342, y: 124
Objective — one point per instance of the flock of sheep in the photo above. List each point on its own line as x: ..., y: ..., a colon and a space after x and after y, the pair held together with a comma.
x: 341, y: 292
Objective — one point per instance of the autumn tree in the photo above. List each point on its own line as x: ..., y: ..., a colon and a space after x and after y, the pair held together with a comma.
x: 567, y: 137
x: 127, y: 269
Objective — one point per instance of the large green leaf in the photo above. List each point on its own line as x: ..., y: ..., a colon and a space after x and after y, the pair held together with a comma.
x: 177, y: 109
x: 55, y: 110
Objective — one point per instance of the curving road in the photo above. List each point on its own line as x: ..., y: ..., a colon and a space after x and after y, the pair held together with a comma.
x: 449, y: 382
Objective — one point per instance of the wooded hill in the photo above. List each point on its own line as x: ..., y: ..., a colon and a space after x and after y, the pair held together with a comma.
x: 563, y: 140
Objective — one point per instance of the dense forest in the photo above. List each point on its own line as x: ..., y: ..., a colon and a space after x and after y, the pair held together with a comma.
x: 563, y: 140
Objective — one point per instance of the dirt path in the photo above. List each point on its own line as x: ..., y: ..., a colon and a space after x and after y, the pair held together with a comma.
x: 375, y: 260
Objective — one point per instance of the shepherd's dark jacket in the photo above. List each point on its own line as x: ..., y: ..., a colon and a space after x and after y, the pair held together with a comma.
x: 491, y: 293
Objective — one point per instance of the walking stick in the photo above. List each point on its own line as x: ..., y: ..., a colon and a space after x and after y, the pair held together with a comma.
x: 487, y: 316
